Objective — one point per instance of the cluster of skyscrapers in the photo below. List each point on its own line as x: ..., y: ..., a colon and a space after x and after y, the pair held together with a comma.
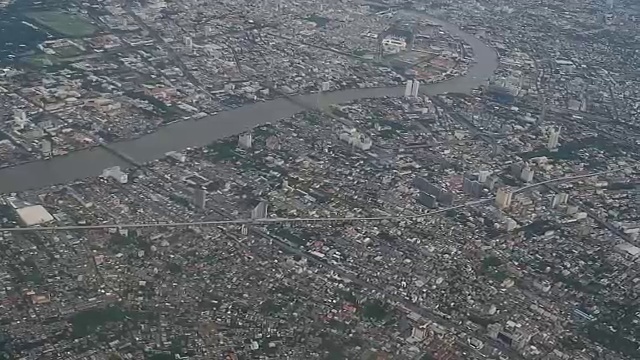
x: 522, y: 171
x: 472, y: 187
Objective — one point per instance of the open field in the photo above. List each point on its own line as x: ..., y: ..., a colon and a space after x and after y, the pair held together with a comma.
x: 68, y: 51
x: 64, y: 23
x: 42, y: 60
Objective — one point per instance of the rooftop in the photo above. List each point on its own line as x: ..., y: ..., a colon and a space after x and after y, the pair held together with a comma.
x: 34, y: 215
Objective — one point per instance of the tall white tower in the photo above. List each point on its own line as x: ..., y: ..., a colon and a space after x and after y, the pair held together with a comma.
x: 245, y: 141
x: 483, y: 175
x: 554, y: 136
x: 527, y: 174
x: 260, y: 211
x: 415, y: 88
x: 408, y: 88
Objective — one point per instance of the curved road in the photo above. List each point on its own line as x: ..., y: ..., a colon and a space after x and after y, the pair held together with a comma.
x: 178, y: 136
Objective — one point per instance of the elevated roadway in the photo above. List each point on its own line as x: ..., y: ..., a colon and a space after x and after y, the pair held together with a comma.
x: 303, y: 220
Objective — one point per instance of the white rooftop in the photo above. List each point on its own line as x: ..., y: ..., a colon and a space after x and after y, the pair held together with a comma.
x: 34, y: 215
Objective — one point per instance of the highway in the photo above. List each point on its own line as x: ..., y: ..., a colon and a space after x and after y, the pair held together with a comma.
x: 399, y: 301
x: 305, y: 220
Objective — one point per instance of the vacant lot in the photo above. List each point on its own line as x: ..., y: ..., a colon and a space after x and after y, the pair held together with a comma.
x: 64, y: 23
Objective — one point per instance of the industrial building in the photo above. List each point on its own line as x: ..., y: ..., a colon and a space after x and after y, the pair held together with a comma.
x: 34, y: 215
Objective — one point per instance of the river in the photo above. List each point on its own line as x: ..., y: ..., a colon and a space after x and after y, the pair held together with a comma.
x: 178, y: 136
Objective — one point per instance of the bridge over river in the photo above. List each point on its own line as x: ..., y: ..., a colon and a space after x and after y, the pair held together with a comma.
x: 195, y: 133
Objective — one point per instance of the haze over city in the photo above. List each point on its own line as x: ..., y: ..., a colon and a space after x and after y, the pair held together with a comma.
x: 298, y: 180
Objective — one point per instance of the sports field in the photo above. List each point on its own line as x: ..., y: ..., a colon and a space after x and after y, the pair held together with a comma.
x: 64, y: 23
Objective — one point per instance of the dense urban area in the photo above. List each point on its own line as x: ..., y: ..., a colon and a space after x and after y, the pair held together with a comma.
x: 335, y: 179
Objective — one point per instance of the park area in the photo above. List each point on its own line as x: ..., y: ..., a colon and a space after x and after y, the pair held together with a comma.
x: 70, y: 25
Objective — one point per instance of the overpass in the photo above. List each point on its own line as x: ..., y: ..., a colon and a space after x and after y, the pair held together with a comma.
x: 312, y: 220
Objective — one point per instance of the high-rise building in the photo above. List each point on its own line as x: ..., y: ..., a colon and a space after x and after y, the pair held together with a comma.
x: 260, y: 211
x: 554, y: 136
x: 503, y: 198
x: 491, y: 181
x: 445, y: 198
x: 415, y: 88
x: 467, y: 186
x: 421, y: 183
x: 559, y: 199
x: 471, y: 187
x: 427, y: 200
x: 245, y: 141
x: 516, y: 169
x: 408, y: 88
x: 526, y: 174
x: 483, y: 175
x: 564, y: 198
x: 199, y: 198
x: 476, y: 188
